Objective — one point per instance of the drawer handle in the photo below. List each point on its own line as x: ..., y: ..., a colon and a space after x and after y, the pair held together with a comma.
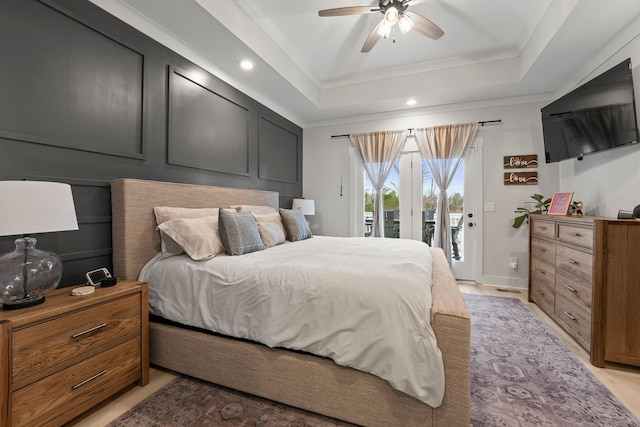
x: 540, y: 293
x: 570, y: 288
x: 543, y: 250
x: 99, y: 374
x: 541, y: 271
x: 88, y: 331
x: 572, y: 261
x: 569, y: 316
x: 575, y: 234
x: 543, y: 228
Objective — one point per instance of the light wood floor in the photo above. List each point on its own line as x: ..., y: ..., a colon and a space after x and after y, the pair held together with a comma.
x: 623, y: 381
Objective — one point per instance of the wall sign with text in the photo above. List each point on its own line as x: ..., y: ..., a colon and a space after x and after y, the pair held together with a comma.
x: 520, y: 178
x: 521, y: 162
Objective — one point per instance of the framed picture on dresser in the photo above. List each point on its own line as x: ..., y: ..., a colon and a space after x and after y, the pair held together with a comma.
x: 560, y: 203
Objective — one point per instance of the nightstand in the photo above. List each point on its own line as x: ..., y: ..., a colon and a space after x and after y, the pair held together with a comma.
x: 60, y: 358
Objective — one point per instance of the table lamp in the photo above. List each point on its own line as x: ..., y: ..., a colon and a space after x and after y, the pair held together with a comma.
x: 27, y: 274
x: 307, y: 206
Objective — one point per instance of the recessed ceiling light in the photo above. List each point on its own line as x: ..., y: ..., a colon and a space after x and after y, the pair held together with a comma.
x: 412, y: 102
x: 246, y: 64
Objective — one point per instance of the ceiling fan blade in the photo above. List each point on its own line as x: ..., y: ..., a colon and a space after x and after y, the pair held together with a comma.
x: 372, y: 39
x: 413, y: 2
x: 425, y: 27
x: 344, y: 11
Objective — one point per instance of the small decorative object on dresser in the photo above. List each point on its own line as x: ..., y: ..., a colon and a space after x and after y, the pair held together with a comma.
x: 62, y: 357
x: 560, y: 203
x: 584, y: 275
x: 575, y: 209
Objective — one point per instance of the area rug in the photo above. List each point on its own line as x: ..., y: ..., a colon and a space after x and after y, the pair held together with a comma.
x: 521, y: 375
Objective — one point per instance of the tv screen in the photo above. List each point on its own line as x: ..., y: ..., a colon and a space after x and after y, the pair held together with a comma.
x: 596, y: 116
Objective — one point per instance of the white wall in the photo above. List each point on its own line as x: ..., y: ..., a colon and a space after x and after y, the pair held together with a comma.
x: 609, y: 181
x: 326, y: 162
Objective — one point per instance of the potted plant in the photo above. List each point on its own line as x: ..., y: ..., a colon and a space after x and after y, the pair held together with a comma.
x: 541, y: 206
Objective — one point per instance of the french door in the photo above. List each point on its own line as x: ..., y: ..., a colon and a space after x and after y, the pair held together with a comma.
x: 410, y: 198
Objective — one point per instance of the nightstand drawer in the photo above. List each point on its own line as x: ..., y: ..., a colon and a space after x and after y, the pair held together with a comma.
x: 45, y: 345
x: 41, y: 402
x: 576, y: 235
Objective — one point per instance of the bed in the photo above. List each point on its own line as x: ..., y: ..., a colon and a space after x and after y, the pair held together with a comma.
x: 295, y: 378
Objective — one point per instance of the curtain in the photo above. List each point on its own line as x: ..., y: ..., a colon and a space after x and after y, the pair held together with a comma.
x: 444, y: 148
x: 378, y: 151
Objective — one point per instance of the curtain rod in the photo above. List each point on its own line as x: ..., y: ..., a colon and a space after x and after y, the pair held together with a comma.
x: 482, y: 123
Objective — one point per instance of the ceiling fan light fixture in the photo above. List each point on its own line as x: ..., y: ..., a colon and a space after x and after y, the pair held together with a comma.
x: 391, y: 15
x: 385, y: 29
x: 405, y: 23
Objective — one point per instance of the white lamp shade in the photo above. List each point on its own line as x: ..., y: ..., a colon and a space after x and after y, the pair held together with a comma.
x: 307, y: 206
x: 28, y: 207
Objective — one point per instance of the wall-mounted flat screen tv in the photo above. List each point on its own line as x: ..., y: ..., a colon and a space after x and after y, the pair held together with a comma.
x: 598, y: 115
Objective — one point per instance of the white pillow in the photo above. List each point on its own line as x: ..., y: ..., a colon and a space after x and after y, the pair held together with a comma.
x: 198, y: 237
x: 167, y: 213
x: 256, y: 209
x: 270, y: 228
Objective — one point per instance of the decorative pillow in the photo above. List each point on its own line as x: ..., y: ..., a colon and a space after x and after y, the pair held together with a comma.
x: 260, y: 210
x: 198, y: 237
x: 295, y: 224
x: 167, y: 213
x: 239, y: 233
x: 270, y: 228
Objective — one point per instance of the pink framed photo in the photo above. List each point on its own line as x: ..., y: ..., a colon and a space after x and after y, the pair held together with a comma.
x: 560, y: 203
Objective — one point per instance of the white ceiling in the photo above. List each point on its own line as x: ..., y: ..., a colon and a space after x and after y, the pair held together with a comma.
x: 310, y: 68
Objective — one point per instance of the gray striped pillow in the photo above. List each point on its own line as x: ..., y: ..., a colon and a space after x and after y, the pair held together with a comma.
x: 239, y: 233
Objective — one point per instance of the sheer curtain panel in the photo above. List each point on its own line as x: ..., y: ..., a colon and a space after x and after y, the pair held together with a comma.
x: 444, y: 148
x: 378, y: 151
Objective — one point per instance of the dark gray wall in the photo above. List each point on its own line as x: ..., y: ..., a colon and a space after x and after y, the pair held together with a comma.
x: 85, y: 98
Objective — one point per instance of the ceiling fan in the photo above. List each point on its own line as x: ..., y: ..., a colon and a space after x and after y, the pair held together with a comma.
x: 394, y: 11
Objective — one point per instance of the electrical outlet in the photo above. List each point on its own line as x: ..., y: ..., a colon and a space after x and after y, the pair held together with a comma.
x: 513, y: 261
x: 489, y: 206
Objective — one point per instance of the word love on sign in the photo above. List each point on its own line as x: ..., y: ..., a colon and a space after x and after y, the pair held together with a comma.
x: 521, y: 162
x: 520, y: 178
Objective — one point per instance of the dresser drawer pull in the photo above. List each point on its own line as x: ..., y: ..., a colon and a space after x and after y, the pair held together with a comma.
x: 99, y: 374
x: 569, y: 316
x: 543, y: 250
x: 570, y: 288
x: 88, y: 331
x: 540, y: 293
x: 572, y: 261
x: 541, y: 271
x: 543, y: 228
x: 575, y: 234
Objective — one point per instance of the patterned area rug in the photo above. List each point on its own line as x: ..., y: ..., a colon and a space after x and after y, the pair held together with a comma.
x: 521, y: 375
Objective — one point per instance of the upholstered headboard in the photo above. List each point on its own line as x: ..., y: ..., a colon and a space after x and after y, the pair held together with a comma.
x: 134, y: 235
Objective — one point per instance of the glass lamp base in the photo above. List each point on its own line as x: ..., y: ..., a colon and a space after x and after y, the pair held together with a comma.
x: 23, y: 303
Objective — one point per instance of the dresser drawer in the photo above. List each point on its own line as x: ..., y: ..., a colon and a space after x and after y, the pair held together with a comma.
x: 574, y: 289
x: 543, y: 296
x: 576, y: 235
x: 44, y: 345
x: 42, y: 401
x: 544, y: 250
x: 575, y: 262
x: 543, y: 228
x: 543, y: 272
x: 577, y: 322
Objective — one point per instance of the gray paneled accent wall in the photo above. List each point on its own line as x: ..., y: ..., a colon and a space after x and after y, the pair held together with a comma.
x: 85, y: 98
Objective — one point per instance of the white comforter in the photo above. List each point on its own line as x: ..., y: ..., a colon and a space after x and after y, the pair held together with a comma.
x: 363, y: 302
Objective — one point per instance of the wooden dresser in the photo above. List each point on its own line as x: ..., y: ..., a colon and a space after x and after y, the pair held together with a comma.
x: 584, y: 272
x: 62, y: 357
